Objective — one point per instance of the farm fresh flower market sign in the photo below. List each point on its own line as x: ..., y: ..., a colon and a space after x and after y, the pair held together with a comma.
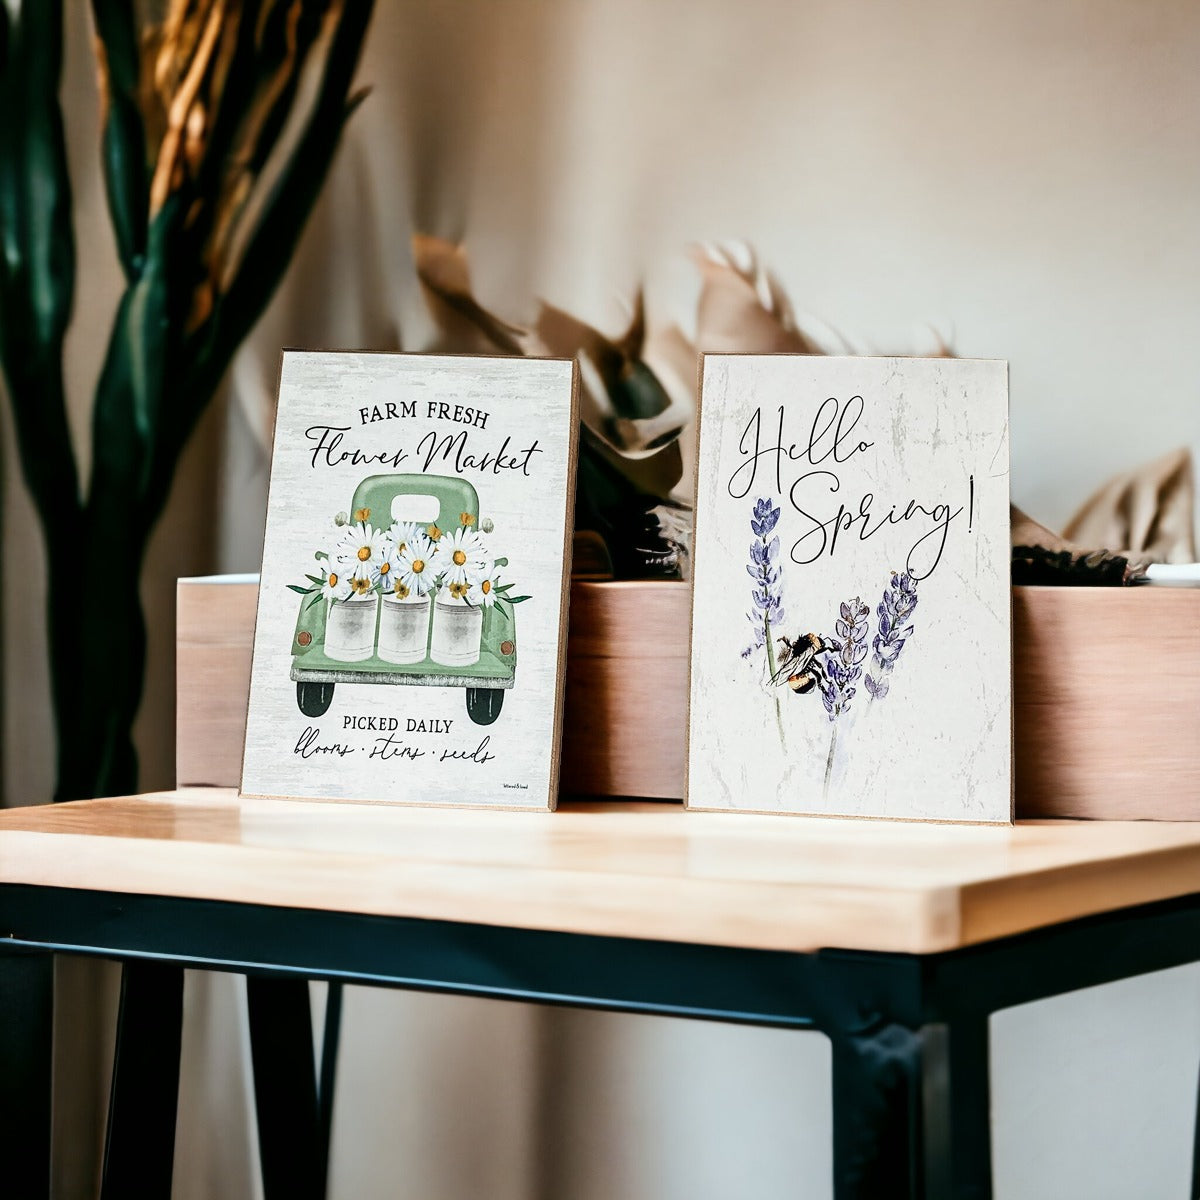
x: 861, y: 666
x: 415, y: 552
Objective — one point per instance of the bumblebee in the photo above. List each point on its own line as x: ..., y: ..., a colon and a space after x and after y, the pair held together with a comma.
x: 798, y: 665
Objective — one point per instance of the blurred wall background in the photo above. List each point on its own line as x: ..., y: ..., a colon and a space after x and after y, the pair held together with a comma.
x: 1020, y: 179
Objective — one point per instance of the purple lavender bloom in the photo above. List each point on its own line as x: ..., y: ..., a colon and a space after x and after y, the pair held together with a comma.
x: 764, y: 518
x: 842, y: 662
x: 895, y: 613
x: 765, y: 594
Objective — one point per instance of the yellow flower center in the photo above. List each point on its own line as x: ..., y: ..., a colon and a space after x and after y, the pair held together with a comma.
x: 418, y: 566
x: 333, y: 579
x: 364, y: 552
x: 459, y: 558
x: 485, y: 586
x: 384, y: 568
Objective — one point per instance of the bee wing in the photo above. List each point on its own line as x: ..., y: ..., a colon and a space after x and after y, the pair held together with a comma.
x: 785, y: 669
x: 804, y: 657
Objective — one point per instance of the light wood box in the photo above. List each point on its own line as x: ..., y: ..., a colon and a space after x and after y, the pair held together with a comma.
x: 1106, y: 694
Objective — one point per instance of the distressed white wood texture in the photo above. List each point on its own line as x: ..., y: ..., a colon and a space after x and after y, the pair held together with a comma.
x: 939, y: 745
x: 527, y: 400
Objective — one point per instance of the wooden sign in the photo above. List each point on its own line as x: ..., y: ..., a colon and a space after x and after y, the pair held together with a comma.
x: 410, y: 636
x: 851, y: 608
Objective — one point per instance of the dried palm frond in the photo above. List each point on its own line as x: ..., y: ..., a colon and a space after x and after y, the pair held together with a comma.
x: 630, y: 458
x: 743, y: 308
x: 1147, y: 513
x: 464, y: 325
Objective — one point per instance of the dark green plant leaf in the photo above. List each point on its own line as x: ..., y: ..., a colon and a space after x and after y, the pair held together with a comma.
x: 126, y: 171
x: 37, y: 254
x: 285, y: 212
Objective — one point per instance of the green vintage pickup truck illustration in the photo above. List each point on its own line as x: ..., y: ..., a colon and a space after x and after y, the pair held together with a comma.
x: 406, y: 591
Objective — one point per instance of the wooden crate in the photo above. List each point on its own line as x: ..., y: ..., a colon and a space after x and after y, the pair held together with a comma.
x: 1106, y: 694
x: 1106, y: 690
x: 214, y: 634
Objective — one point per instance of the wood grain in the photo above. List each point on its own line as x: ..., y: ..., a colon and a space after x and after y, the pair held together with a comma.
x: 623, y: 869
x: 1106, y: 695
x: 215, y: 633
x: 624, y: 730
x: 1107, y: 713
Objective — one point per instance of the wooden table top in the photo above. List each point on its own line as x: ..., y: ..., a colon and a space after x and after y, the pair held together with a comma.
x: 624, y: 869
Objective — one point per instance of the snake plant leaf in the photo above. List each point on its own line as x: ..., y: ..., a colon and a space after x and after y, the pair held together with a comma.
x: 38, y: 268
x: 260, y: 84
x: 128, y: 417
x: 124, y: 151
x: 37, y: 253
x: 272, y: 242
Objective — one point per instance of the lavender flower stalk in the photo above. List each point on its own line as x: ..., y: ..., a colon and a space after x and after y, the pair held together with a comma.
x: 842, y: 668
x: 899, y: 601
x: 766, y: 595
x: 842, y: 663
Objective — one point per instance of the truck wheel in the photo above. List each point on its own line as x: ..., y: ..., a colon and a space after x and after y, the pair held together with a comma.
x: 314, y: 699
x: 483, y: 704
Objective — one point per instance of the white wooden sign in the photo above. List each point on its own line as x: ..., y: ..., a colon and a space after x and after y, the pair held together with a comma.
x: 411, y: 617
x: 851, y: 609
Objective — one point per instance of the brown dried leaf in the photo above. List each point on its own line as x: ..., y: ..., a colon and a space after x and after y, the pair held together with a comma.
x: 742, y: 307
x: 464, y: 325
x: 1147, y: 512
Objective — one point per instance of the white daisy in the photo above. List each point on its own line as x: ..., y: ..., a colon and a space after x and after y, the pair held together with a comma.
x: 483, y: 590
x: 389, y: 559
x: 462, y: 556
x: 402, y: 532
x: 336, y: 584
x: 361, y: 552
x: 415, y: 568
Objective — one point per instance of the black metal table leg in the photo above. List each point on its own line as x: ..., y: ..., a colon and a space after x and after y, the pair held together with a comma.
x: 965, y: 1124
x: 911, y: 1110
x: 139, y: 1151
x: 877, y: 1125
x: 26, y: 1064
x: 1195, y: 1192
x: 328, y: 1078
x: 290, y: 1136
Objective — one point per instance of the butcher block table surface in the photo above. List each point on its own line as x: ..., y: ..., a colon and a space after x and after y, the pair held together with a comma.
x: 631, y: 870
x: 896, y: 941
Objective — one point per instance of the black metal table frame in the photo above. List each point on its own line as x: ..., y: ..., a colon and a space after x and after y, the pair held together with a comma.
x: 909, y: 1033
